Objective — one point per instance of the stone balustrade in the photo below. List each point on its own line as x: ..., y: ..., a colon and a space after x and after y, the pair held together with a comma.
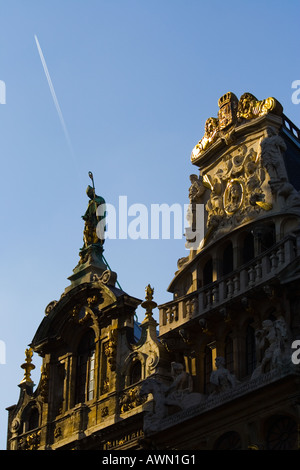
x: 257, y: 272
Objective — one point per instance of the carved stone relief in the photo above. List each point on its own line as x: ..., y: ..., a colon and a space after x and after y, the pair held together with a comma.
x: 236, y: 189
x: 272, y: 346
x: 233, y: 112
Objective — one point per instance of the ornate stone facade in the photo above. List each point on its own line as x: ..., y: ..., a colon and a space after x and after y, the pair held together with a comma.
x: 242, y: 280
x: 219, y: 373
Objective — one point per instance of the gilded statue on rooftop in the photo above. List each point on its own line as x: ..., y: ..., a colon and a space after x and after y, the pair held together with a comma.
x: 233, y: 112
x: 91, y: 217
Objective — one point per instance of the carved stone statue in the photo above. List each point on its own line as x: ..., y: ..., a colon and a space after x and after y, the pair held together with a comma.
x: 210, y: 135
x: 197, y: 189
x: 272, y: 345
x: 214, y: 205
x: 222, y: 379
x: 287, y: 195
x: 182, y: 384
x: 233, y: 196
x: 196, y: 193
x: 272, y: 149
x: 178, y: 394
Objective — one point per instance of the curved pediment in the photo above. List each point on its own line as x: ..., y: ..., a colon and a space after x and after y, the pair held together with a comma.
x: 83, y: 304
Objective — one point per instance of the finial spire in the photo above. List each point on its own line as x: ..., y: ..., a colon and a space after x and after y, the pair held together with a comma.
x: 149, y: 304
x: 28, y: 367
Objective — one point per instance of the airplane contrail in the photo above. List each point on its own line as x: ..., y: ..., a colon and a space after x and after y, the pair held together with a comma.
x: 53, y: 93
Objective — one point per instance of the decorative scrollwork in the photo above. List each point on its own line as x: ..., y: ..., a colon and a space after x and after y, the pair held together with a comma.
x: 233, y: 112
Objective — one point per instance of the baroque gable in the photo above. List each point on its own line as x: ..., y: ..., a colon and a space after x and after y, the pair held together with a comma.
x: 242, y: 168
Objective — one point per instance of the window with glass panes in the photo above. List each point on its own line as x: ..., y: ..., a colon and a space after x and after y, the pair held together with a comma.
x: 85, y: 373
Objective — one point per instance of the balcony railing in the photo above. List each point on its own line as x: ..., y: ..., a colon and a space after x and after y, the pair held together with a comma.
x: 260, y: 270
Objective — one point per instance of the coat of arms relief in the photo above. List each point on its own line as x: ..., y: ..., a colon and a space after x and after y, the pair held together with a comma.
x: 249, y: 178
x: 238, y: 189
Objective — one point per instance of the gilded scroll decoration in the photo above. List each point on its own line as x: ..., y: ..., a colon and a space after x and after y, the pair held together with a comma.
x: 250, y: 107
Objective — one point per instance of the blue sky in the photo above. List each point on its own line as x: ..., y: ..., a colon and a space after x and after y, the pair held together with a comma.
x: 135, y: 81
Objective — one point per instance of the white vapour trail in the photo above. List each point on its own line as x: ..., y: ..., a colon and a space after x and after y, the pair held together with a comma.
x: 53, y: 93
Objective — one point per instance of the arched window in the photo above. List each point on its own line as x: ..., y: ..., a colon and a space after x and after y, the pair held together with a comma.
x: 208, y: 272
x: 250, y: 350
x: 248, y: 248
x: 33, y: 419
x: 227, y: 260
x: 266, y: 236
x: 30, y: 418
x: 208, y: 367
x: 85, y: 373
x: 282, y: 434
x: 135, y: 372
x: 229, y: 353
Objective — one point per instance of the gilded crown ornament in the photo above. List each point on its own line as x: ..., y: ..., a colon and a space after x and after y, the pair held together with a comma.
x: 233, y: 112
x: 227, y: 98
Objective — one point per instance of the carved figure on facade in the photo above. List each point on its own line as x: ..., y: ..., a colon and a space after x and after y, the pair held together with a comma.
x: 191, y: 307
x: 222, y: 379
x: 110, y: 349
x: 197, y: 189
x: 57, y: 432
x: 131, y: 399
x: 287, y: 195
x: 178, y: 394
x: 272, y: 345
x: 44, y: 383
x: 105, y: 386
x: 210, y: 135
x: 214, y: 205
x: 233, y: 196
x: 272, y: 155
x: 197, y: 192
x: 181, y: 385
x: 272, y: 149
